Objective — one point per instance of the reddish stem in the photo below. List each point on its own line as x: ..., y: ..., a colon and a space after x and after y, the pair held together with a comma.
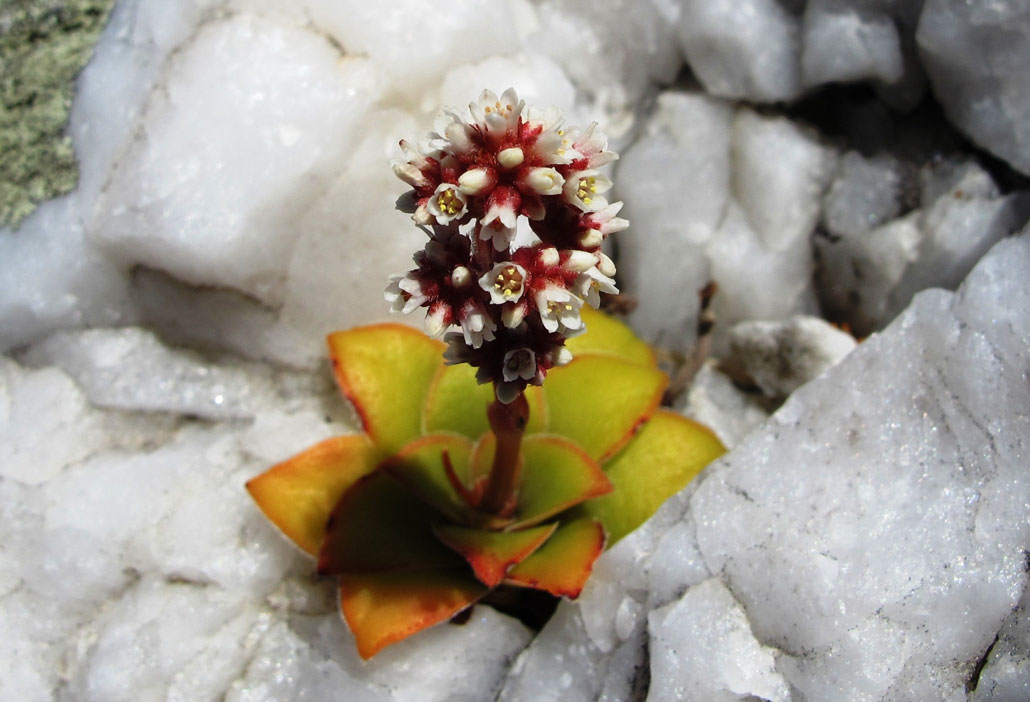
x: 508, y: 423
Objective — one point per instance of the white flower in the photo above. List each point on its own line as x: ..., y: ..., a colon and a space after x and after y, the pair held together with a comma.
x: 410, y: 175
x: 551, y: 143
x: 605, y: 221
x: 590, y: 284
x: 512, y: 315
x: 519, y: 364
x: 394, y: 295
x: 497, y: 115
x: 401, y: 302
x: 500, y: 218
x: 505, y: 282
x: 446, y: 204
x: 452, y: 135
x: 476, y: 324
x: 543, y: 181
x: 591, y: 144
x: 438, y: 319
x: 559, y: 310
x: 583, y: 190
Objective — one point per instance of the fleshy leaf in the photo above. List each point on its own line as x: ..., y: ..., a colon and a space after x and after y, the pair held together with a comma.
x: 384, y: 608
x: 298, y: 494
x: 662, y: 458
x: 419, y: 466
x: 378, y: 525
x: 564, y: 562
x: 598, y: 401
x: 456, y: 403
x: 491, y: 553
x: 386, y: 371
x: 556, y: 475
x: 609, y: 336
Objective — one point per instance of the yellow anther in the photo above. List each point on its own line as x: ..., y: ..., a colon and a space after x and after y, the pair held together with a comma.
x: 586, y: 200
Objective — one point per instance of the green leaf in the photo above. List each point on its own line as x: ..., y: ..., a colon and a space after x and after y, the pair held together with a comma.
x: 492, y: 553
x: 608, y: 336
x: 299, y: 494
x: 662, y: 458
x: 420, y: 467
x: 556, y: 474
x: 386, y: 371
x: 598, y: 401
x: 562, y: 565
x: 384, y: 608
x: 379, y: 525
x: 456, y: 403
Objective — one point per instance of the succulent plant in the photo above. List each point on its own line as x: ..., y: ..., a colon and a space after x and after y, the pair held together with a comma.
x: 392, y: 512
x: 471, y: 472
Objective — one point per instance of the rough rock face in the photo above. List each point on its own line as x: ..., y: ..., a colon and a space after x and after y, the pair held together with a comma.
x: 976, y: 55
x: 163, y: 329
x: 868, y: 543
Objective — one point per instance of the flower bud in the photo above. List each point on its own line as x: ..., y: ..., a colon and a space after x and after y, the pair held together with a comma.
x: 511, y: 158
x: 544, y: 181
x: 605, y: 265
x: 461, y: 277
x: 549, y: 256
x: 590, y: 238
x: 562, y: 356
x: 476, y: 181
x: 580, y: 261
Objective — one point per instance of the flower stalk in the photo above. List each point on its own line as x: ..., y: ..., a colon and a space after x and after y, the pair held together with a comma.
x: 508, y: 424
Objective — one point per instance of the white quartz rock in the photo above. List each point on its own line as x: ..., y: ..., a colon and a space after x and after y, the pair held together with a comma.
x: 702, y: 649
x: 713, y: 400
x: 866, y: 277
x: 176, y: 641
x: 416, y: 42
x: 958, y: 228
x: 536, y: 78
x: 675, y: 180
x: 782, y: 356
x: 219, y: 205
x: 743, y: 48
x: 873, y: 531
x: 614, y: 55
x: 1006, y: 675
x: 865, y: 194
x: 976, y: 56
x: 52, y: 277
x: 131, y: 369
x: 846, y: 41
x: 780, y: 172
x: 128, y: 62
x: 46, y: 424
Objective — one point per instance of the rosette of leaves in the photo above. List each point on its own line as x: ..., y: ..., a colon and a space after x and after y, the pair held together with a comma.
x: 391, y: 512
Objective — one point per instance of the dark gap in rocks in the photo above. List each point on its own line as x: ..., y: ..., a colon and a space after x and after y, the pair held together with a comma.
x: 640, y: 685
x: 974, y: 676
x: 852, y: 117
x: 531, y: 607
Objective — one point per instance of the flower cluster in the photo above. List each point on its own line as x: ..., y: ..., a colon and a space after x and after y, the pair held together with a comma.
x: 515, y: 298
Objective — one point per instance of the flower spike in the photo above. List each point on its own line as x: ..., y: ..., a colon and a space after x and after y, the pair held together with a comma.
x: 473, y: 179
